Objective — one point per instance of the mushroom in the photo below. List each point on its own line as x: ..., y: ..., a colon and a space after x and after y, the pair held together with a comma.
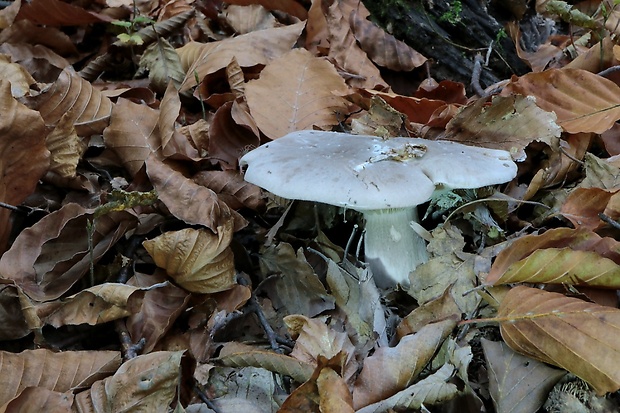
x: 384, y: 179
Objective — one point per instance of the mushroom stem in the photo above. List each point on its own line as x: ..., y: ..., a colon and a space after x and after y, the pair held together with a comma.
x: 391, y: 247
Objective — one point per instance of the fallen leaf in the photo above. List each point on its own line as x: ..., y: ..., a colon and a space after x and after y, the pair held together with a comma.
x: 582, y: 101
x: 517, y: 383
x: 563, y: 331
x: 296, y: 91
x: 197, y: 259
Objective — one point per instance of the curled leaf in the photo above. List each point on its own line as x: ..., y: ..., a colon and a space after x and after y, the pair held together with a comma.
x: 196, y: 259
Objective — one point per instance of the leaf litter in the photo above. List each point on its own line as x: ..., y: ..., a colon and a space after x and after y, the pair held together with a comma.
x: 140, y: 272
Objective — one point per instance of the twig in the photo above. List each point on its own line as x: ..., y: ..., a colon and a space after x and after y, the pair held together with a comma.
x: 475, y: 76
x: 205, y: 399
x: 609, y: 70
x: 130, y: 350
x: 272, y: 337
x: 609, y: 220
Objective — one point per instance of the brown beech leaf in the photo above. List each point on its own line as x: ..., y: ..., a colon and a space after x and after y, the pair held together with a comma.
x: 432, y: 390
x: 297, y: 288
x: 39, y: 399
x: 95, y: 305
x: 324, y: 392
x: 23, y: 153
x: 560, y: 255
x: 300, y: 371
x: 12, y: 318
x: 160, y: 307
x: 188, y: 201
x: 344, y: 49
x: 146, y: 383
x: 517, y: 383
x: 383, y: 48
x: 58, y: 13
x: 256, y: 48
x: 246, y: 19
x: 198, y: 260
x: 229, y: 141
x: 90, y: 109
x: 288, y: 6
x: 419, y: 110
x: 564, y: 266
x: 564, y: 331
x: 65, y: 148
x: 295, y: 92
x: 61, y: 372
x: 583, y: 205
x: 47, y: 258
x: 334, y: 393
x: 582, y: 101
x: 232, y: 189
x: 510, y: 123
x: 25, y: 31
x: 133, y: 134
x: 392, y: 369
x: 17, y: 75
x: 315, y: 338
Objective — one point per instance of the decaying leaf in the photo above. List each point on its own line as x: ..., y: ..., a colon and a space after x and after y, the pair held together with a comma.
x: 146, y: 383
x: 94, y: 305
x: 383, y: 48
x: 510, y: 123
x: 563, y: 331
x: 297, y: 290
x: 517, y: 383
x: 432, y: 390
x: 279, y: 363
x: 196, y: 259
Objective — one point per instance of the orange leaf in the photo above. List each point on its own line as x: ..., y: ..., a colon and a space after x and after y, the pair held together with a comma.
x: 582, y: 101
x: 566, y: 332
x: 583, y: 205
x: 296, y: 92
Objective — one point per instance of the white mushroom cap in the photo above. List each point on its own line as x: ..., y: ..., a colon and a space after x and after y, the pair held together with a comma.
x: 368, y: 173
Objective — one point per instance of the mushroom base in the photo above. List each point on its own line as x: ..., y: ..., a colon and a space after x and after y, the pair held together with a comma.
x: 391, y: 247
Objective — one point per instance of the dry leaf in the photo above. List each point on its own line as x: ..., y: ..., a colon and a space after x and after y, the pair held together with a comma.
x: 517, y: 383
x: 390, y: 370
x: 563, y: 331
x: 300, y: 371
x: 90, y: 109
x: 146, y: 383
x: 23, y: 153
x: 250, y: 49
x: 582, y: 101
x: 315, y: 338
x: 510, y: 123
x: 191, y: 203
x: 560, y: 255
x: 61, y: 372
x: 296, y: 91
x: 133, y: 134
x: 197, y: 260
x: 383, y: 48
